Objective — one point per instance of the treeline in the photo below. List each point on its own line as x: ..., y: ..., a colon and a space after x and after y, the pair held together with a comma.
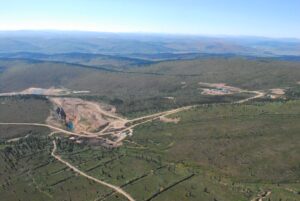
x: 23, y: 97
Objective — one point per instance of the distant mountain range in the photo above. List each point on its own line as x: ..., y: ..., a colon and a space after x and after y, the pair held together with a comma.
x: 124, y: 44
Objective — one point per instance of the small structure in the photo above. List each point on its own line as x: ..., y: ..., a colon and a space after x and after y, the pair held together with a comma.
x: 79, y: 141
x: 72, y: 138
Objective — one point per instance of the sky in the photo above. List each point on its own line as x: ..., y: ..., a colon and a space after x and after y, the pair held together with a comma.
x: 269, y: 18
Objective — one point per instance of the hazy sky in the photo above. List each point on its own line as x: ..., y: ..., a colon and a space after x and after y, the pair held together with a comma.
x: 274, y: 18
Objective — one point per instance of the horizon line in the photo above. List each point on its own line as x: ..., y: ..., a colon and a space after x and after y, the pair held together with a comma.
x: 153, y: 33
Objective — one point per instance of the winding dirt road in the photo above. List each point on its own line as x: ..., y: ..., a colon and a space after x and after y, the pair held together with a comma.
x: 115, y: 188
x: 57, y: 129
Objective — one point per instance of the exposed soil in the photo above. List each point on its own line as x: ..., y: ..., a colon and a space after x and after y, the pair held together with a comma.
x: 170, y: 98
x: 39, y: 91
x: 89, y: 118
x: 218, y: 89
x: 183, y: 85
x: 277, y: 91
x: 45, y: 92
x: 84, y: 115
x: 169, y: 120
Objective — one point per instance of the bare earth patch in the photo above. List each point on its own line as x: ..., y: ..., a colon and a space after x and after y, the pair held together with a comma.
x: 39, y: 91
x: 169, y: 120
x: 183, y: 85
x: 169, y: 98
x: 86, y: 117
x: 276, y: 93
x: 45, y: 92
x: 216, y: 89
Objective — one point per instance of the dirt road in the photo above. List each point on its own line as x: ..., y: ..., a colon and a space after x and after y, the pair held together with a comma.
x: 258, y: 95
x: 156, y: 115
x: 58, y: 130
x: 49, y: 126
x: 148, y: 118
x: 115, y: 188
x: 173, y: 111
